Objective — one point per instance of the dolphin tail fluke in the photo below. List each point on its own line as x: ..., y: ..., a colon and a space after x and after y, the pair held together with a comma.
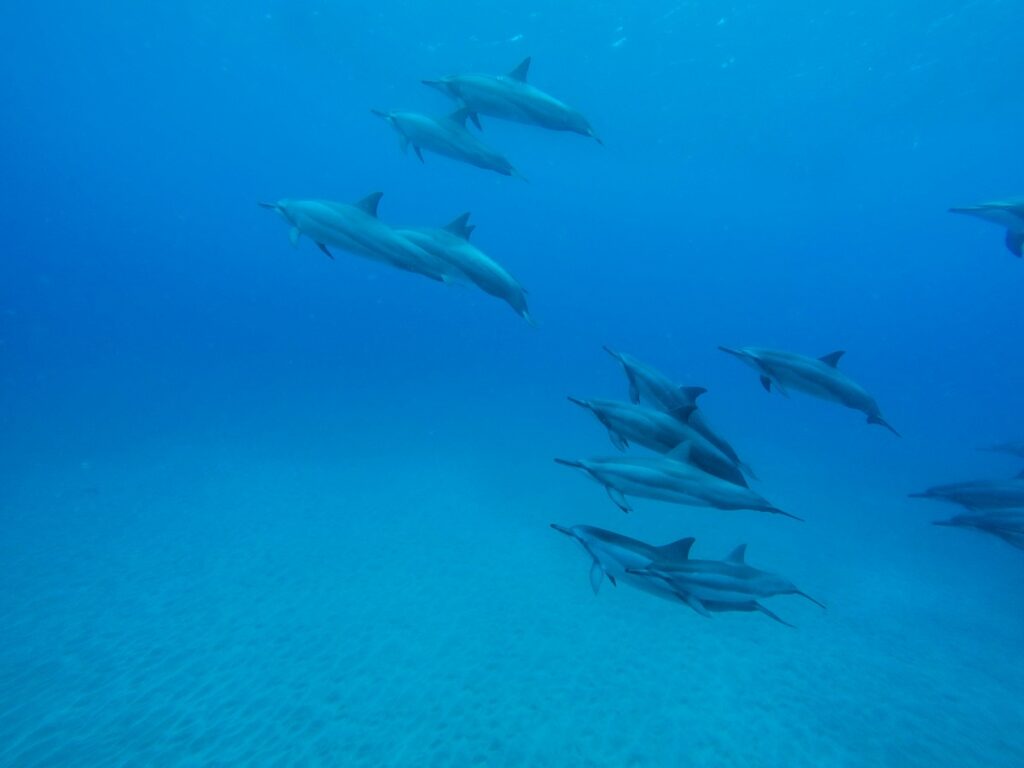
x: 772, y: 615
x: 883, y: 423
x: 1015, y: 242
x: 777, y: 511
x: 816, y: 602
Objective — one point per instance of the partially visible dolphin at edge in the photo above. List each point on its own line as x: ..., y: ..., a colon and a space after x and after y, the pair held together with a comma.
x: 670, y: 478
x: 1008, y: 526
x: 451, y: 245
x: 979, y: 494
x: 355, y: 228
x: 511, y: 97
x: 702, y: 584
x: 1012, y: 448
x: 816, y: 376
x: 1008, y: 214
x: 660, y: 432
x: 446, y: 136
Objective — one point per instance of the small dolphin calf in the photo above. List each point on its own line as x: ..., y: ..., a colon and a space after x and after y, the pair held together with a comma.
x: 707, y: 585
x: 816, y: 376
x: 446, y: 136
x: 980, y: 494
x: 355, y: 228
x: 510, y: 97
x: 660, y: 432
x: 1008, y: 214
x: 1011, y: 448
x: 1008, y: 526
x: 670, y: 478
x: 450, y: 245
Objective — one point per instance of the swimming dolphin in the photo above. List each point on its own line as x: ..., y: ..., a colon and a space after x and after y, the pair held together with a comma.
x: 816, y: 376
x: 650, y: 385
x: 355, y: 228
x: 660, y: 432
x: 446, y: 136
x: 1008, y: 526
x: 980, y: 494
x: 451, y: 245
x: 670, y: 478
x: 704, y: 583
x: 1011, y: 448
x: 1008, y: 214
x: 512, y: 98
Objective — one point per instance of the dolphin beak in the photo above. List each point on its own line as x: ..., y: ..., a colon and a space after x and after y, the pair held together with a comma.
x: 270, y: 206
x: 434, y: 84
x: 921, y: 495
x: 944, y: 523
x: 580, y: 403
x: 734, y: 352
x: 570, y: 463
x: 560, y: 529
x: 378, y: 113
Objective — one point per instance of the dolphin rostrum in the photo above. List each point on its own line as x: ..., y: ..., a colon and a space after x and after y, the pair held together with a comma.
x: 446, y: 136
x: 816, y: 376
x: 1007, y: 214
x: 510, y: 97
x: 660, y: 432
x: 702, y: 584
x: 670, y: 478
x: 648, y: 384
x: 450, y: 244
x: 1008, y: 526
x: 355, y: 228
x: 980, y: 495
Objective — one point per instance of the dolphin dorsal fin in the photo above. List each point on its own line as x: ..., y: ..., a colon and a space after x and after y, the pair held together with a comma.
x: 460, y: 226
x: 677, y: 550
x: 520, y: 72
x: 738, y: 555
x: 692, y: 393
x: 369, y: 203
x: 681, y: 452
x: 832, y: 358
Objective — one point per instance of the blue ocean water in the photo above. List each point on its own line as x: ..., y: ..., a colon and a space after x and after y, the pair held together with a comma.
x: 258, y: 507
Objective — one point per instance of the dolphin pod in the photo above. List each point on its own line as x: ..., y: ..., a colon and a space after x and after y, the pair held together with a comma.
x: 511, y: 97
x: 446, y: 136
x: 668, y: 572
x: 1007, y: 214
x: 816, y: 376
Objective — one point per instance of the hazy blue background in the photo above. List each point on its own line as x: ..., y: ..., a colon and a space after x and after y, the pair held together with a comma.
x: 774, y: 174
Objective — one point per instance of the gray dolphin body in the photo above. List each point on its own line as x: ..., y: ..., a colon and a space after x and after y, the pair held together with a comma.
x: 648, y: 384
x: 670, y: 478
x: 1011, y: 448
x: 980, y: 494
x: 510, y: 97
x: 355, y: 228
x: 451, y: 245
x: 660, y: 432
x: 818, y: 377
x: 1007, y: 214
x: 1008, y: 526
x: 707, y: 585
x: 446, y: 136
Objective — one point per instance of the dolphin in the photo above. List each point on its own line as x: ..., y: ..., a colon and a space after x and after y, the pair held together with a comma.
x: 672, y: 478
x: 450, y: 244
x: 819, y: 377
x: 1008, y: 526
x: 718, y: 583
x: 510, y: 97
x: 660, y: 432
x: 446, y: 136
x: 980, y: 494
x: 1007, y: 214
x: 650, y: 385
x: 355, y: 228
x: 1012, y: 448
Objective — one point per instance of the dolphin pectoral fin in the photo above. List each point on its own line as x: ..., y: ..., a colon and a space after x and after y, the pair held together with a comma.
x: 596, y: 576
x: 682, y: 413
x: 618, y: 440
x: 403, y: 143
x: 771, y: 615
x: 323, y: 248
x: 618, y: 499
x: 694, y: 603
x: 476, y: 120
x: 634, y: 391
x: 419, y: 154
x: 747, y: 470
x: 293, y: 236
x: 1015, y: 242
x: 766, y: 383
